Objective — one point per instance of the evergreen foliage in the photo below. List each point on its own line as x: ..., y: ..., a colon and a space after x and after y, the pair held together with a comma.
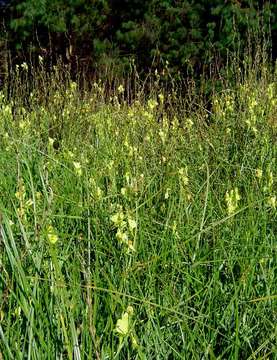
x: 189, y: 35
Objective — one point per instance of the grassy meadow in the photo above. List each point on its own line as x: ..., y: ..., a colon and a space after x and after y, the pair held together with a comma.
x: 141, y: 229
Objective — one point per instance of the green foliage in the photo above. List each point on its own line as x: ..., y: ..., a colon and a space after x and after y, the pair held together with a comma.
x: 71, y: 22
x: 136, y: 231
x: 187, y: 34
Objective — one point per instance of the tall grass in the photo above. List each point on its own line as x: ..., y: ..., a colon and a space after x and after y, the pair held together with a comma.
x: 137, y: 230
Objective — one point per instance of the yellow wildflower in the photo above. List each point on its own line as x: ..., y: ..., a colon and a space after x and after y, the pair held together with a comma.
x: 232, y: 200
x: 132, y: 224
x: 122, y: 327
x: 118, y: 219
x: 78, y: 168
x: 167, y: 193
x: 120, y: 89
x: 52, y: 235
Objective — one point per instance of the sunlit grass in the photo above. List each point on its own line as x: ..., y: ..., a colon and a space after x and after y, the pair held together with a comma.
x: 130, y: 231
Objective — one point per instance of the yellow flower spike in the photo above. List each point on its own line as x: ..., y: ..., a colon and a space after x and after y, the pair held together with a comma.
x: 78, y: 168
x: 167, y: 193
x: 18, y: 195
x: 123, y: 191
x: 183, y: 173
x: 152, y: 104
x: 189, y: 196
x: 232, y: 200
x: 73, y: 86
x: 24, y: 66
x: 99, y: 193
x: 40, y: 59
x: 122, y: 327
x: 259, y: 173
x: 131, y: 247
x: 130, y: 310
x: 52, y: 235
x: 120, y: 89
x: 17, y: 311
x: 122, y: 237
x: 118, y: 219
x: 132, y: 224
x: 21, y: 212
x: 161, y: 98
x: 162, y: 135
x: 51, y: 141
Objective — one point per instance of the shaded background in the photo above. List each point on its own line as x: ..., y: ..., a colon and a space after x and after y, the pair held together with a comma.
x: 185, y: 36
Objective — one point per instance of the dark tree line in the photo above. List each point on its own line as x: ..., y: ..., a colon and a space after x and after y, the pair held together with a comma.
x: 185, y: 35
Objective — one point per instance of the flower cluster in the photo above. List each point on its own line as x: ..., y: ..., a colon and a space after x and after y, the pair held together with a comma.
x: 184, y: 183
x: 232, y: 199
x: 95, y: 191
x: 123, y: 327
x: 24, y: 202
x: 125, y: 226
x: 52, y: 235
x: 132, y: 186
